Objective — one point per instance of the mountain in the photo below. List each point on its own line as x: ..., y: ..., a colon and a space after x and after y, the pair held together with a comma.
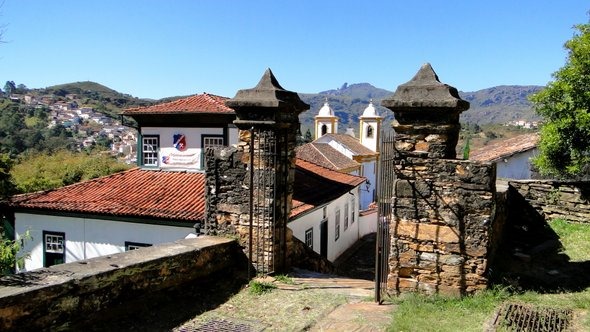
x: 98, y: 96
x: 495, y: 105
x: 347, y: 102
x: 500, y: 104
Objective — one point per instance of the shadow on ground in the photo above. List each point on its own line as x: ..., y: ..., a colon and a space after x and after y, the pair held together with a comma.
x: 531, y: 256
x: 358, y: 262
x: 164, y: 310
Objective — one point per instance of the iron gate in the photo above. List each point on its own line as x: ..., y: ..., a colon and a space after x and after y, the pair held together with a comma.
x: 268, y: 175
x: 385, y: 200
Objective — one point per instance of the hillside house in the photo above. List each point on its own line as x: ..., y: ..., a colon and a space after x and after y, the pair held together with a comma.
x: 512, y: 156
x: 163, y: 199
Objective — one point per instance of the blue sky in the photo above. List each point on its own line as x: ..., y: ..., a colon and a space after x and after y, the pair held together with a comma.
x: 156, y: 49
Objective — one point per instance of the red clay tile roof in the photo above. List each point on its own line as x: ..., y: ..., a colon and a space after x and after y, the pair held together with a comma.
x: 203, y: 103
x: 326, y: 156
x: 177, y: 196
x: 316, y: 185
x: 505, y: 148
x: 351, y: 143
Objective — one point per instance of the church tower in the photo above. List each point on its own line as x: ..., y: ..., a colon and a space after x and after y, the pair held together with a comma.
x: 370, y: 127
x: 325, y: 122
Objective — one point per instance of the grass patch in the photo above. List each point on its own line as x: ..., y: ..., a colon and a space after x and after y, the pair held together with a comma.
x: 417, y: 312
x: 260, y: 287
x: 574, y: 237
x: 284, y: 279
x: 32, y: 121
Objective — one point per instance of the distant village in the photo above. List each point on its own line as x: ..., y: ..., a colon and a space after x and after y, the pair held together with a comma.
x: 87, y: 125
x: 90, y: 126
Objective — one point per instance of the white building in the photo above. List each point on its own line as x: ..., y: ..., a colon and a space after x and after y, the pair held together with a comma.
x: 163, y: 199
x: 346, y: 153
x: 512, y: 156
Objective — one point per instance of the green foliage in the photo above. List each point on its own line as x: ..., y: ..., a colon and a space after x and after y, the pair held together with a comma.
x: 7, y: 186
x: 10, y: 254
x: 23, y: 128
x: 308, y: 138
x: 260, y: 287
x: 416, y: 312
x: 284, y: 279
x: 103, y: 99
x: 574, y: 238
x: 37, y: 172
x: 565, y: 106
x: 9, y: 87
x: 467, y: 148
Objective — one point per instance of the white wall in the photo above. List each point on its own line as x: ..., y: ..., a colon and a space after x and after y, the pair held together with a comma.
x: 313, y: 220
x: 234, y: 135
x: 368, y: 223
x: 88, y: 238
x: 340, y: 148
x: 517, y: 166
x: 369, y: 171
x: 188, y: 159
x: 369, y: 142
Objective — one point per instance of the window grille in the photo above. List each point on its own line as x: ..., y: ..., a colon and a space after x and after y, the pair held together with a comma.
x: 309, y: 238
x: 150, y: 145
x: 337, y: 226
x: 352, y: 210
x: 346, y: 216
x: 54, y: 243
x: 135, y: 245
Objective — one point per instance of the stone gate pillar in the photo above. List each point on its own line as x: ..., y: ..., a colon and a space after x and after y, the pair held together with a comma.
x: 268, y: 120
x: 441, y: 207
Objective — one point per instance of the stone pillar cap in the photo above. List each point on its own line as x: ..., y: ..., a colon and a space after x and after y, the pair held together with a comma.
x: 268, y: 93
x: 425, y: 91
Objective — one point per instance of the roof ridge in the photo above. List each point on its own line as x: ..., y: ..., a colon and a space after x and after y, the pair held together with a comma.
x: 323, y: 155
x: 42, y: 192
x: 329, y: 170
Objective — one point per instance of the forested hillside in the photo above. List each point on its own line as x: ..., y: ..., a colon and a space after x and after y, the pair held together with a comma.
x: 37, y: 123
x: 496, y: 105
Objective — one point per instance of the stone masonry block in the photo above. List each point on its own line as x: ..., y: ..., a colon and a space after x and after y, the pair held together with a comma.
x: 426, y: 232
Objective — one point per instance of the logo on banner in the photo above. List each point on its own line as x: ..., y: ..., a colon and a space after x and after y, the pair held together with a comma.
x: 179, y: 142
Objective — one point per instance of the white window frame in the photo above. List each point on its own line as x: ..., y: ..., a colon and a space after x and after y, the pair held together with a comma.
x: 135, y: 245
x: 309, y: 237
x: 337, y: 225
x: 352, y: 210
x: 54, y: 243
x: 213, y: 141
x: 150, y: 145
x: 345, y: 216
x: 208, y: 141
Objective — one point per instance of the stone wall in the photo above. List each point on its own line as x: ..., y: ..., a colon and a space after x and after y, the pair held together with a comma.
x: 227, y: 200
x: 441, y: 227
x: 228, y: 208
x: 556, y: 199
x: 49, y: 298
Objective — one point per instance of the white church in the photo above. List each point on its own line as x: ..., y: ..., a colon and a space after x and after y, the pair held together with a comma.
x: 345, y: 152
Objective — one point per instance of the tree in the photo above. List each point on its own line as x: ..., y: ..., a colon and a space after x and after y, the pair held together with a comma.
x: 9, y: 248
x: 308, y: 138
x: 565, y: 106
x: 10, y: 252
x: 7, y: 186
x: 45, y: 171
x: 9, y: 87
x: 21, y: 88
